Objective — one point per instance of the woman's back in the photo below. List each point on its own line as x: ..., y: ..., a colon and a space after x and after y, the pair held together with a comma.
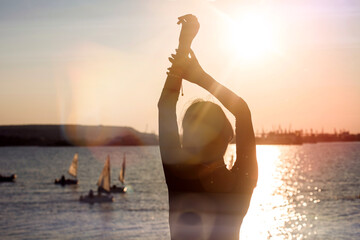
x: 206, y: 215
x: 206, y: 201
x: 208, y: 207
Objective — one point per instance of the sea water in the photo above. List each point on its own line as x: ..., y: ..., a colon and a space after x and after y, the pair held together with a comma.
x: 304, y: 192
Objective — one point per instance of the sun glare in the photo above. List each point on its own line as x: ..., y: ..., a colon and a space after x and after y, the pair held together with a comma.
x: 253, y: 35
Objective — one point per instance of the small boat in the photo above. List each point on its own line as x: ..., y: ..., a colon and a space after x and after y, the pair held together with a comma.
x: 118, y: 189
x: 72, y: 171
x: 10, y: 178
x: 103, y: 187
x: 99, y: 198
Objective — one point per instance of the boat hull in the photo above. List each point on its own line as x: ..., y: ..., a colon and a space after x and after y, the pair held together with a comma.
x: 113, y: 189
x: 10, y: 178
x: 116, y: 189
x: 96, y: 199
x: 66, y: 182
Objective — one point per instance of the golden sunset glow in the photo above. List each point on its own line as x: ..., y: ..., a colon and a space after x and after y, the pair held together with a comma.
x: 86, y: 65
x: 253, y: 35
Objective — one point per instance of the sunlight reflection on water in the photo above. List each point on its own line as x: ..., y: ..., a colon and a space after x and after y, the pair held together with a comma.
x: 272, y: 213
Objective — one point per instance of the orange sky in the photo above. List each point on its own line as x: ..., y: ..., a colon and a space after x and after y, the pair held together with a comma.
x: 104, y: 63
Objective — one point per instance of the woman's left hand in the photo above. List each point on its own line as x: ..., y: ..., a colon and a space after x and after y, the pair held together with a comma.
x: 186, y: 68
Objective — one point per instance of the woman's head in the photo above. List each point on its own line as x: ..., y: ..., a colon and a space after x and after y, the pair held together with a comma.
x: 206, y: 130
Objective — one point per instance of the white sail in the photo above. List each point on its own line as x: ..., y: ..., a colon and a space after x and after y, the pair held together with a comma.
x: 73, y: 166
x: 122, y: 171
x: 104, y: 179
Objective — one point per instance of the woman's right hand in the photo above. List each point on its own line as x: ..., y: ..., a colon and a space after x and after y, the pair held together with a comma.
x: 189, y: 29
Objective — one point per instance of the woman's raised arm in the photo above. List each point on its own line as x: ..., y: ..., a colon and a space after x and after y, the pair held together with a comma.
x: 246, y: 163
x: 169, y: 140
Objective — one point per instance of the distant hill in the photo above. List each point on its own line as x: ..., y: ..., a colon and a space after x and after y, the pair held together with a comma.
x: 73, y: 135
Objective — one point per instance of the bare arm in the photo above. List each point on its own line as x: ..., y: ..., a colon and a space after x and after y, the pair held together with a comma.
x: 169, y: 140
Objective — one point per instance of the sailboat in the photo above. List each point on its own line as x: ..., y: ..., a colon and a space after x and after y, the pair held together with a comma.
x: 72, y: 171
x: 118, y: 189
x: 104, y: 179
x: 121, y: 189
x: 103, y: 187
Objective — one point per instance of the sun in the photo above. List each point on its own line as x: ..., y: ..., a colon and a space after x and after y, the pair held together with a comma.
x: 253, y: 35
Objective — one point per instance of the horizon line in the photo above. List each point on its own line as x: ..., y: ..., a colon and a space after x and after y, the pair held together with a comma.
x: 314, y: 131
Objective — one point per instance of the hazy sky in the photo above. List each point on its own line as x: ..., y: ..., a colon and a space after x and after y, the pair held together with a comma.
x: 296, y: 63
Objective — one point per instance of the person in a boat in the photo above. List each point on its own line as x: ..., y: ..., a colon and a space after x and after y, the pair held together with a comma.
x: 100, y: 189
x: 91, y: 193
x: 207, y: 199
x: 62, y: 179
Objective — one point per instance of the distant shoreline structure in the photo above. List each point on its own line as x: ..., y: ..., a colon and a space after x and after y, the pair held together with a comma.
x: 300, y: 137
x: 73, y: 135
x: 81, y: 135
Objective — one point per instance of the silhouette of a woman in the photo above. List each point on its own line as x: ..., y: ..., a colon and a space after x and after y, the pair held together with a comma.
x: 206, y: 200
